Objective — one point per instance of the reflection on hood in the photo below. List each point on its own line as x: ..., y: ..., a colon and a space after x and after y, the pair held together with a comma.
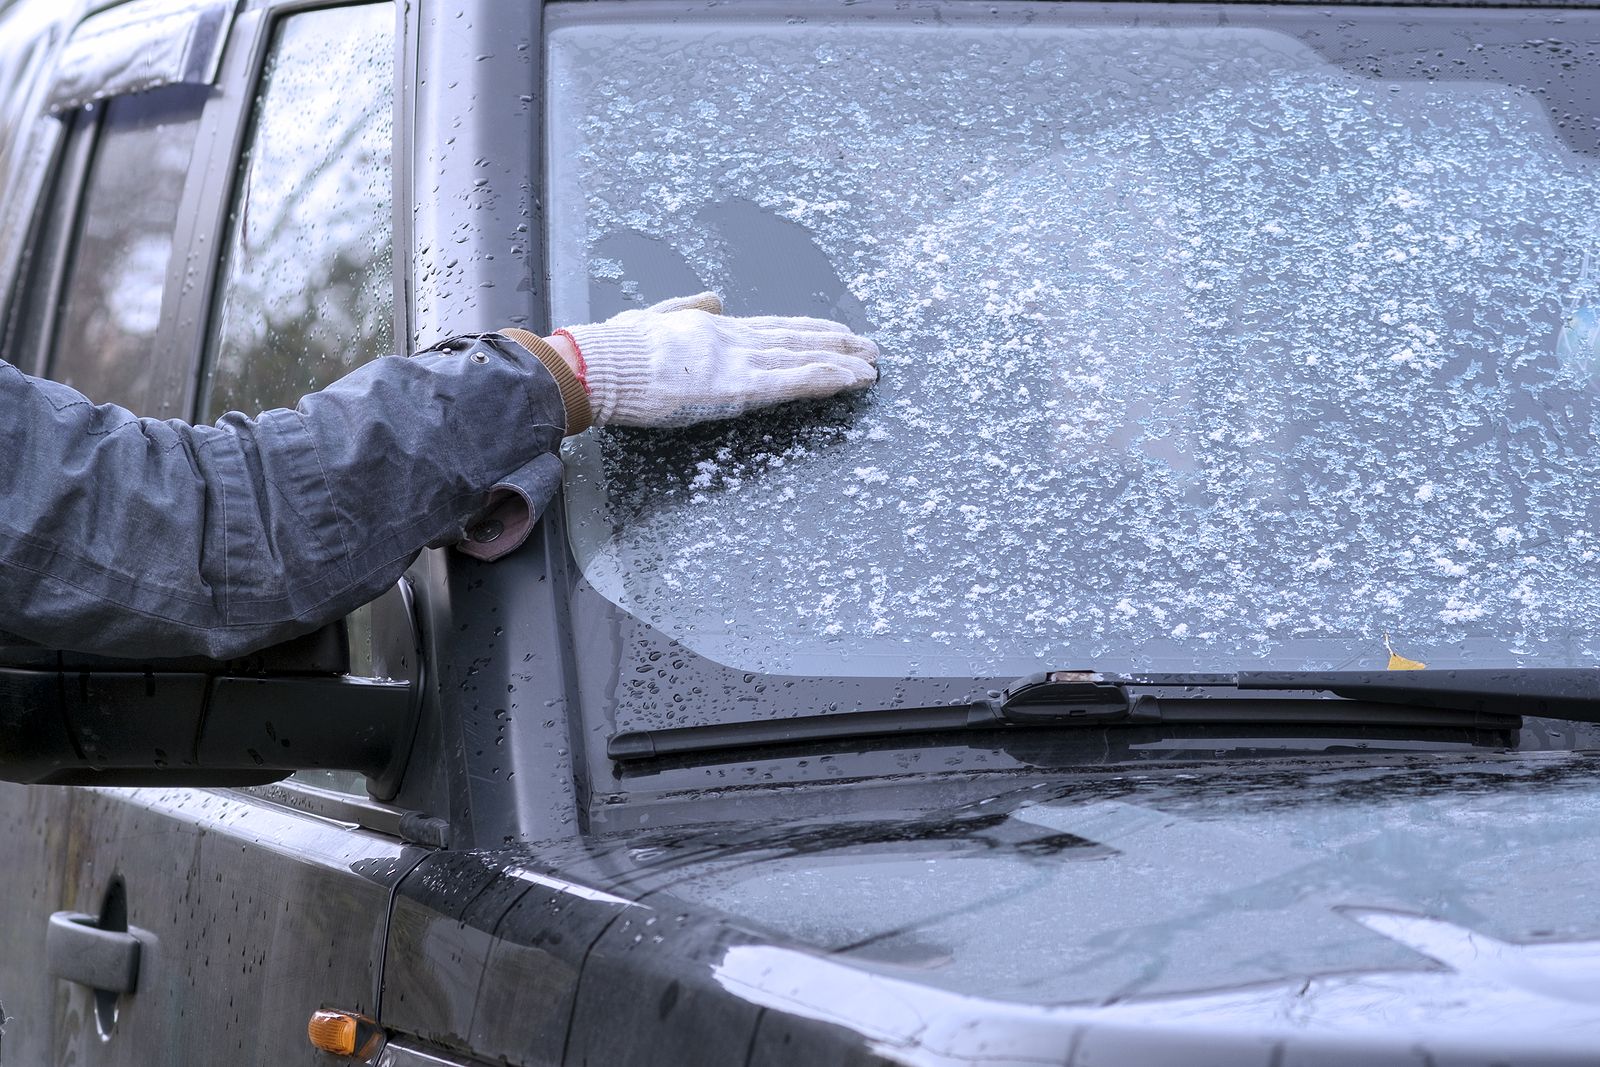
x: 1133, y: 887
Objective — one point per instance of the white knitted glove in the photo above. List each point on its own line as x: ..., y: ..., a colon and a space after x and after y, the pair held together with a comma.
x: 683, y: 361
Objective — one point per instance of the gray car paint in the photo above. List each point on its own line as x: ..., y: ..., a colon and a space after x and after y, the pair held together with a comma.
x: 256, y: 916
x: 566, y: 925
x: 1289, y: 912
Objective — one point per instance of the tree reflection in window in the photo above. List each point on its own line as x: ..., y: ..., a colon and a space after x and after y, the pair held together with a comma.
x: 307, y: 288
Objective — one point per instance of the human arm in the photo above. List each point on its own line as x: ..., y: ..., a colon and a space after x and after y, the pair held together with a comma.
x: 139, y: 537
x: 674, y: 363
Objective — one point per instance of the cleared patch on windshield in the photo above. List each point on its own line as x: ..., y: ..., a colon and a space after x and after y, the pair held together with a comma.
x: 1198, y: 351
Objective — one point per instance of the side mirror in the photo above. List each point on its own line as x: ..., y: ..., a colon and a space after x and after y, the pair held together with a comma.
x: 69, y: 719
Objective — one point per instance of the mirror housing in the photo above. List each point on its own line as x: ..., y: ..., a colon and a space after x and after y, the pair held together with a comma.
x: 70, y: 719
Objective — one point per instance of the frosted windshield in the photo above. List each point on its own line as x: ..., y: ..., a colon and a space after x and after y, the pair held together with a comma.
x: 1199, y: 350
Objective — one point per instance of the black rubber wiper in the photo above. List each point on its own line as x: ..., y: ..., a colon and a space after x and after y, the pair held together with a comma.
x: 1483, y: 699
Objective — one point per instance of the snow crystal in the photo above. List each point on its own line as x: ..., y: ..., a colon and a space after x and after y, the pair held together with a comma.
x: 872, y: 475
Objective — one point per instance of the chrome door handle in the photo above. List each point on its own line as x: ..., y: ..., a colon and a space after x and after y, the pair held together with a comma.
x: 75, y: 948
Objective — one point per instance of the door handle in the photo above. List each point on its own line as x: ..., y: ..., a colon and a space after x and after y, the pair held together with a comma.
x: 75, y: 948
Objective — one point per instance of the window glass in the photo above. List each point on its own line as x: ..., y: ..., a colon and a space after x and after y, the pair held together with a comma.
x: 307, y: 290
x: 27, y: 326
x: 1205, y: 343
x: 28, y: 39
x: 105, y: 342
x: 17, y: 60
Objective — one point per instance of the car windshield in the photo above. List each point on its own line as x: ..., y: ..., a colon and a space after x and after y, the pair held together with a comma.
x: 1212, y: 338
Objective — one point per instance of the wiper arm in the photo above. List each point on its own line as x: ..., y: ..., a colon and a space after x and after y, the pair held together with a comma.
x: 1485, y: 699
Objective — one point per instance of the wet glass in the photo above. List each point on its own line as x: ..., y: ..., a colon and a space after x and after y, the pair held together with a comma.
x: 307, y: 290
x: 32, y: 308
x: 1206, y: 342
x: 105, y: 342
x: 19, y: 60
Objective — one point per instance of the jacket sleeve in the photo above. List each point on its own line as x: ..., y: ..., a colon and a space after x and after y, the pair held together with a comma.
x: 138, y: 537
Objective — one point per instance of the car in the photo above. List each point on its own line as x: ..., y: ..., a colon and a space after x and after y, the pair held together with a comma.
x: 1183, y: 655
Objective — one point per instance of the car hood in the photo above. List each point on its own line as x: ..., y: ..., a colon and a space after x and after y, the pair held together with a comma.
x: 1399, y: 895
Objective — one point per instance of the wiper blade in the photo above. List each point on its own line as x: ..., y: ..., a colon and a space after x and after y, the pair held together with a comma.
x: 1485, y: 699
x: 1552, y: 692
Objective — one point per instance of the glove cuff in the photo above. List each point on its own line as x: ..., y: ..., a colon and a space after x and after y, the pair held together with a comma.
x: 619, y: 363
x: 574, y: 397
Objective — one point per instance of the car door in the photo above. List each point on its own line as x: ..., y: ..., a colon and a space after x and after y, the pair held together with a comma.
x: 249, y: 910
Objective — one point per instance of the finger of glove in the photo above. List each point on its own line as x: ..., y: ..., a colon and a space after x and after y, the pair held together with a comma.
x: 770, y: 359
x: 707, y: 302
x: 854, y: 346
x: 844, y: 344
x: 862, y: 372
x: 791, y: 324
x: 810, y: 382
x: 780, y: 358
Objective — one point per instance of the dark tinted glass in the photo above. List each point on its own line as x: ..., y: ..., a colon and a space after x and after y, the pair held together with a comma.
x: 307, y: 291
x: 111, y: 306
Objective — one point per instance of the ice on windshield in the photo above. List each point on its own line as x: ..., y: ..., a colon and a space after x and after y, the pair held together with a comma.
x: 1198, y: 350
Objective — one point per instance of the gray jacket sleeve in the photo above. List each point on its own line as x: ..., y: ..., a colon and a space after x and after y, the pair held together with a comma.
x: 138, y: 537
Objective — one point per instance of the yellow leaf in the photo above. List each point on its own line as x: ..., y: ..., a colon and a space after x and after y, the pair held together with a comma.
x: 1398, y: 662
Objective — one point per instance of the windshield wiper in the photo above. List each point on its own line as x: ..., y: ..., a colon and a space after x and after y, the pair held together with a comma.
x: 1482, y: 699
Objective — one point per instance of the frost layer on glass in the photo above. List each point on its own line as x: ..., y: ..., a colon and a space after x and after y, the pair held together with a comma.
x: 1198, y: 351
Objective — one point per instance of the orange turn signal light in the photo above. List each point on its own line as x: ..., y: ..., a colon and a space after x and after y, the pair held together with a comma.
x: 344, y: 1033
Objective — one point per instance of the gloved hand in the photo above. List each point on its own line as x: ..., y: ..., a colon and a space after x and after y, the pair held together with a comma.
x: 682, y: 361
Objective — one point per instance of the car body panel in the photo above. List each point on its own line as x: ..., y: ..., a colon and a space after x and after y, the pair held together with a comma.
x: 1030, y: 897
x: 486, y: 952
x: 1275, y: 908
x: 252, y: 917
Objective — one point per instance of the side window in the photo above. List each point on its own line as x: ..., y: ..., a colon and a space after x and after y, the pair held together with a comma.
x: 31, y: 312
x: 16, y: 69
x: 105, y: 338
x: 28, y: 44
x: 88, y: 304
x: 306, y: 291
